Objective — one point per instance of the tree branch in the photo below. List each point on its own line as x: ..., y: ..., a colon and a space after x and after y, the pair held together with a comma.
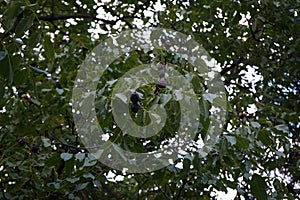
x: 13, y: 28
x: 52, y: 18
x: 70, y: 16
x: 235, y: 63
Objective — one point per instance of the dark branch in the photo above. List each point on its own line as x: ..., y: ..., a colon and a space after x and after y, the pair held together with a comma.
x: 51, y: 18
x: 62, y: 17
x: 13, y: 28
x: 253, y: 34
x: 235, y: 63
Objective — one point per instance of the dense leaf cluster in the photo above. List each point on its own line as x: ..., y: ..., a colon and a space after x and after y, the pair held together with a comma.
x: 44, y: 42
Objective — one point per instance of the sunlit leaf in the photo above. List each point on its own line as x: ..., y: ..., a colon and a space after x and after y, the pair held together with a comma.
x: 73, y: 180
x: 2, y: 55
x: 81, y: 186
x: 46, y: 142
x: 80, y: 156
x: 283, y: 128
x: 66, y: 156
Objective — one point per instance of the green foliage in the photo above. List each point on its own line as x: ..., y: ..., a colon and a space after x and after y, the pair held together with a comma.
x: 258, y: 154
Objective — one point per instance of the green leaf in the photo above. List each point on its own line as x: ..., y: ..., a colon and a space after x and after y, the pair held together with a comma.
x: 73, y: 180
x: 209, y: 97
x: 255, y: 124
x: 46, y: 142
x: 283, y: 128
x: 122, y: 97
x: 66, y: 156
x: 81, y: 186
x: 11, y: 13
x: 69, y: 167
x: 53, y: 160
x: 24, y: 25
x: 111, y: 82
x: 47, y: 171
x: 165, y: 98
x: 80, y: 156
x: 264, y: 137
x: 36, y: 102
x: 4, y: 69
x: 49, y: 49
x: 258, y: 187
x: 34, y: 39
x: 89, y: 162
x: 279, y: 153
x: 96, y: 183
x: 56, y: 185
x: 21, y: 78
x: 11, y: 72
x: 241, y: 142
x: 236, y: 18
x: 215, y: 25
x: 59, y: 91
x: 231, y: 139
x: 2, y: 54
x: 89, y: 175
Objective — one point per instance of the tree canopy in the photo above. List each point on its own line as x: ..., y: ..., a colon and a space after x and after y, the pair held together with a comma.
x: 256, y: 45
